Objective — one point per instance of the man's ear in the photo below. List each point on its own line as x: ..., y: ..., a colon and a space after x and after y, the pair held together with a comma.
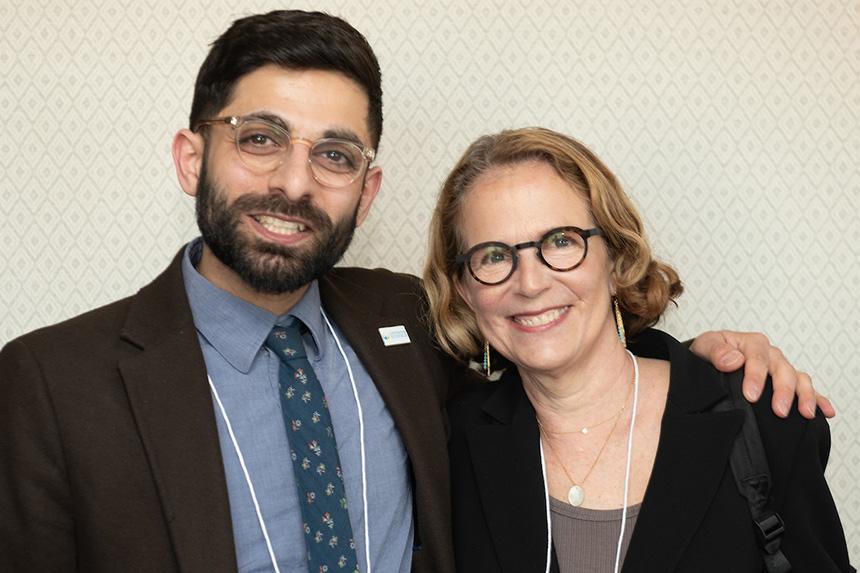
x: 188, y: 150
x: 372, y: 183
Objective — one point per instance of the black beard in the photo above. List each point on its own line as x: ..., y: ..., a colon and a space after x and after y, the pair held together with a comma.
x: 267, y: 267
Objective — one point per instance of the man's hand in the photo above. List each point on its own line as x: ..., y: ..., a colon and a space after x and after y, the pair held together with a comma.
x: 728, y: 351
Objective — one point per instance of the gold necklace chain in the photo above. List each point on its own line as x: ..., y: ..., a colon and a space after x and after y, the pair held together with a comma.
x: 594, y: 463
x: 586, y: 429
x: 576, y: 493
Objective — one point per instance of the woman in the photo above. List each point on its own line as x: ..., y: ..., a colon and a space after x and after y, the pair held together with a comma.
x: 583, y: 456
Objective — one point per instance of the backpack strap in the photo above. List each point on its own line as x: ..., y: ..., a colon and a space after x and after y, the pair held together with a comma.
x: 752, y: 476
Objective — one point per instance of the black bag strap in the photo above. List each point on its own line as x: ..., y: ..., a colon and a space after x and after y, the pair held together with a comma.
x: 752, y: 476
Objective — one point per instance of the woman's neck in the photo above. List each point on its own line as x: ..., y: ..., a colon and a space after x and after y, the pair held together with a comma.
x: 584, y: 392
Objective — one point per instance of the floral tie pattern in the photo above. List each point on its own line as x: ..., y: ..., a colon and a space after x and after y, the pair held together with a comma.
x: 313, y: 450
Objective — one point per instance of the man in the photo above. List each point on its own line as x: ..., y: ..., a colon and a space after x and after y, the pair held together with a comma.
x: 158, y: 433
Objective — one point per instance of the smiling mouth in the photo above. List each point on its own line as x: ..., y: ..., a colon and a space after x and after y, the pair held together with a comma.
x: 542, y: 318
x: 279, y: 226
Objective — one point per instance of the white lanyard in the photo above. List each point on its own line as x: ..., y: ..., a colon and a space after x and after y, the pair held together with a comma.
x: 626, y: 478
x: 238, y: 450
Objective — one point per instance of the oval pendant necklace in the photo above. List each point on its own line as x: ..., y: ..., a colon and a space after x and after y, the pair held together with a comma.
x: 576, y: 493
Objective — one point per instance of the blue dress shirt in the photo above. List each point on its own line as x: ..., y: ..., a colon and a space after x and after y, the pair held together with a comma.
x: 232, y: 333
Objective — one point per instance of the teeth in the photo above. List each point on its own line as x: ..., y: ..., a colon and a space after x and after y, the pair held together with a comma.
x: 540, y: 319
x: 279, y: 225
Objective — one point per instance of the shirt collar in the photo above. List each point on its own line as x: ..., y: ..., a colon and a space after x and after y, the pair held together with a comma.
x: 236, y: 328
x: 308, y: 311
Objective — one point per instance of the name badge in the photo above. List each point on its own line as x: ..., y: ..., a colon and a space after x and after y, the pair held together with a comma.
x: 394, y: 335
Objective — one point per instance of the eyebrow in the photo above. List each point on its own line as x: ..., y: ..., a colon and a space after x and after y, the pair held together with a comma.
x: 543, y: 235
x: 332, y: 133
x: 347, y: 134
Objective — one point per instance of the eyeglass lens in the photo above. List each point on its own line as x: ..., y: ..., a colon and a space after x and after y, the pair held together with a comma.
x: 561, y: 250
x: 334, y: 162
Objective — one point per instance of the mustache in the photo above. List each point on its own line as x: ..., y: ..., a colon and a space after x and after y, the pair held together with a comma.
x: 276, y: 203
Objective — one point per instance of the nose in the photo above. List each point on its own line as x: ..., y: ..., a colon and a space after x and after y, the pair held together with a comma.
x: 293, y: 177
x: 532, y: 277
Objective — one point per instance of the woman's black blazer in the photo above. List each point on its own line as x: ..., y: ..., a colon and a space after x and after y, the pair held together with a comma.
x: 692, y: 517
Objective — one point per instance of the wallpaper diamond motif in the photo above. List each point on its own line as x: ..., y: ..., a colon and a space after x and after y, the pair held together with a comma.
x: 734, y: 125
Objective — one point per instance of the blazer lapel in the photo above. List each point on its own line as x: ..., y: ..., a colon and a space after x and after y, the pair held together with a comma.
x: 399, y: 372
x: 506, y: 461
x: 169, y: 396
x: 413, y: 383
x: 692, y: 458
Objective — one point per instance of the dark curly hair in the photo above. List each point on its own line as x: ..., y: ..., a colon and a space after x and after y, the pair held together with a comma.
x: 292, y: 39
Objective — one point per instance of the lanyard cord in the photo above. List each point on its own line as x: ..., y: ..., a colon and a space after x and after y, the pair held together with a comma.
x: 247, y: 475
x: 361, y: 443
x: 548, y: 513
x: 629, y: 459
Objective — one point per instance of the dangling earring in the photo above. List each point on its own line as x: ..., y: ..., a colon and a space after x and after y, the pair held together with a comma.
x: 486, y: 364
x: 619, y: 323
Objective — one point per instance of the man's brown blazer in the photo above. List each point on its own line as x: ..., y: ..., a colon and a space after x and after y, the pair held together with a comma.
x: 109, y: 455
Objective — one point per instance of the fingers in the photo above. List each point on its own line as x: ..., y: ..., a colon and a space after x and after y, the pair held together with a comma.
x: 806, y: 395
x: 755, y: 375
x: 714, y: 346
x: 785, y: 384
x: 728, y: 351
x: 808, y: 399
x: 788, y: 383
x: 756, y: 350
x: 825, y: 405
x: 727, y: 358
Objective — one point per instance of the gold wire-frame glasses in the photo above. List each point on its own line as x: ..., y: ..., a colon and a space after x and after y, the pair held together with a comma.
x: 262, y: 145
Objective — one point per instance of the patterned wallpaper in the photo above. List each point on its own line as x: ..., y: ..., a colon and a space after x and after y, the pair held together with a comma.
x: 735, y: 125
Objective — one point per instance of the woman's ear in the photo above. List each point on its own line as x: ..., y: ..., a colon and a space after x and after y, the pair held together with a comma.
x: 612, y: 270
x: 464, y: 292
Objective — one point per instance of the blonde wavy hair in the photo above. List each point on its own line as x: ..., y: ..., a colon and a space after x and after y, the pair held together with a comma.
x: 644, y: 285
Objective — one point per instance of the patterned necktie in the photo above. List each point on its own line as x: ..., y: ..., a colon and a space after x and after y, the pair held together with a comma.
x: 313, y: 449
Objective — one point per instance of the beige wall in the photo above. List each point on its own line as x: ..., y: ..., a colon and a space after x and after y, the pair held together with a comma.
x: 734, y: 125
